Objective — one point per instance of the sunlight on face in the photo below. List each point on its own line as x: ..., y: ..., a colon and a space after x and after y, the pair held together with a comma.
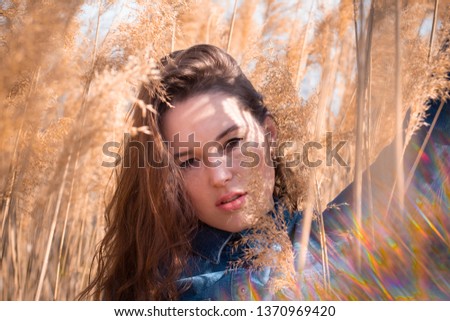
x: 222, y: 152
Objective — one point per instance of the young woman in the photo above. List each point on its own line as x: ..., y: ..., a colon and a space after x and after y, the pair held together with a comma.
x: 203, y: 212
x: 181, y: 219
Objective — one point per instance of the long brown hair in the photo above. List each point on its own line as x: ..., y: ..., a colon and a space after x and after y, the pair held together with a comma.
x: 150, y: 221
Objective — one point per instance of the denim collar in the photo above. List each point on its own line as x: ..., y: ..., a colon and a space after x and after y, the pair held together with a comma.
x: 209, y: 242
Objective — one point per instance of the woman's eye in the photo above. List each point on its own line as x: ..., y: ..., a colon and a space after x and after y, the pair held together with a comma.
x: 190, y: 163
x: 232, y: 143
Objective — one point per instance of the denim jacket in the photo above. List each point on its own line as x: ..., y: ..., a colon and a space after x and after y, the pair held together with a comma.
x: 209, y: 276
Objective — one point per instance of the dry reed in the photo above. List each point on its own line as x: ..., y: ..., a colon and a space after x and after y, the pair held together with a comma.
x: 64, y: 93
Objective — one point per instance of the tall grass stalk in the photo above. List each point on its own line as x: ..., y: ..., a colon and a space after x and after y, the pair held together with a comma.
x: 323, y: 241
x: 398, y: 115
x: 15, y: 153
x: 319, y: 126
x: 303, y: 56
x: 230, y: 33
x: 51, y: 234
x: 174, y: 32
x: 368, y: 145
x: 360, y: 93
x: 63, y: 236
x: 14, y: 250
x: 433, y: 29
x: 422, y: 147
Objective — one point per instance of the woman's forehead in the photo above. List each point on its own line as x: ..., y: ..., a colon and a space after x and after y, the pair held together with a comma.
x: 205, y: 115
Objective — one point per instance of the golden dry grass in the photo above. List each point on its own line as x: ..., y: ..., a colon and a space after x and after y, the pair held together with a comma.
x: 64, y: 92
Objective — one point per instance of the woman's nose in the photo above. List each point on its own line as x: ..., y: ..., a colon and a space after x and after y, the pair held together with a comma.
x: 220, y: 174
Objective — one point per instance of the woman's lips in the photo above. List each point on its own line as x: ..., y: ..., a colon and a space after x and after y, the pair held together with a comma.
x: 232, y: 202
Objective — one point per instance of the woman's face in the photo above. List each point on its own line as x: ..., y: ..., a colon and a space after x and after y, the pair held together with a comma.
x: 223, y: 154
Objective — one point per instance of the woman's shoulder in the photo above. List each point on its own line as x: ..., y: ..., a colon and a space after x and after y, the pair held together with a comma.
x: 211, y: 275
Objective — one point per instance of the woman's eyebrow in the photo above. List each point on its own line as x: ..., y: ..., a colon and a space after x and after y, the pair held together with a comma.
x: 227, y: 131
x: 178, y: 155
x: 221, y: 135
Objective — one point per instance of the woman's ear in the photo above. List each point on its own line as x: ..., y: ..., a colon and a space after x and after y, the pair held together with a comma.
x: 270, y: 128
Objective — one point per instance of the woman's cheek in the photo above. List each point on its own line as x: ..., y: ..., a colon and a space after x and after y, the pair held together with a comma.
x: 249, y: 155
x: 191, y: 178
